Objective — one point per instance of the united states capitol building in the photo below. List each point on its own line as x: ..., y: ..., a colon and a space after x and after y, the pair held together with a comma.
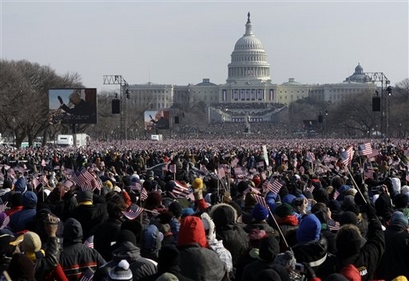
x: 248, y: 94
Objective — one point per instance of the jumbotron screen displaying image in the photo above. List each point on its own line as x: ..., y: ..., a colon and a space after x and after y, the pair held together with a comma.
x: 73, y: 106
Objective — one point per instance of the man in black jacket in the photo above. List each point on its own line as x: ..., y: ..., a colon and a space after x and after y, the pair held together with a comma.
x: 350, y: 252
x: 395, y: 260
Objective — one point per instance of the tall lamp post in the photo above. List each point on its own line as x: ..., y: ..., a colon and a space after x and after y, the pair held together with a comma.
x: 381, y: 103
x: 123, y: 95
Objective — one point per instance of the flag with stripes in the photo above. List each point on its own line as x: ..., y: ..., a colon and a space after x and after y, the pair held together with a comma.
x: 172, y: 168
x: 133, y: 212
x: 347, y: 155
x: 89, y: 242
x: 87, y: 275
x: 365, y: 149
x: 273, y: 185
x: 234, y: 162
x: 5, y: 223
x: 180, y: 190
x: 221, y: 173
x: 260, y: 200
x: 144, y: 194
x: 336, y: 194
x: 310, y: 156
x: 239, y: 171
x: 203, y: 168
x: 85, y: 180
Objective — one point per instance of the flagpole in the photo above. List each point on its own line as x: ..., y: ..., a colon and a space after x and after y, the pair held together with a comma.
x: 276, y: 223
x: 359, y: 190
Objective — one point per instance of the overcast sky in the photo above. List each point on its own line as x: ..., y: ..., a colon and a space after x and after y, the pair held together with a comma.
x: 182, y: 42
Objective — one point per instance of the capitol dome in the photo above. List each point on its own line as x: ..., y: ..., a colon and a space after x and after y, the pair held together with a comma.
x: 248, y: 60
x: 359, y: 76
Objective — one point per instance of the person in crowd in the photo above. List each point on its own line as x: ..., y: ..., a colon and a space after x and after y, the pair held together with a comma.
x: 106, y: 233
x: 20, y: 219
x: 395, y: 260
x: 197, y: 260
x: 126, y: 249
x: 227, y: 230
x: 88, y: 213
x: 77, y: 257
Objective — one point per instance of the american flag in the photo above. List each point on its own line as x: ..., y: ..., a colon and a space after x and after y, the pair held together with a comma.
x: 144, y: 194
x: 89, y: 242
x: 336, y: 194
x: 347, y: 155
x: 133, y: 212
x: 180, y: 190
x: 85, y: 180
x: 239, y: 171
x: 203, y: 168
x: 260, y: 164
x: 5, y: 223
x: 172, y: 168
x: 310, y: 156
x: 87, y: 275
x: 365, y: 149
x: 35, y: 182
x: 234, y: 162
x: 273, y: 185
x: 260, y: 200
x: 221, y: 173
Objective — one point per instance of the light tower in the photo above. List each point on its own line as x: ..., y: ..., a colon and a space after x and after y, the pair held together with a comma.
x: 123, y: 95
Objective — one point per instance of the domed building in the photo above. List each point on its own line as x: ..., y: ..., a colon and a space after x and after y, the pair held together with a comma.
x: 249, y: 59
x: 248, y: 94
x: 359, y: 76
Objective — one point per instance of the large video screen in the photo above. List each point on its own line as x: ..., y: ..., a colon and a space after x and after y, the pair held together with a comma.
x: 73, y: 106
x: 156, y: 119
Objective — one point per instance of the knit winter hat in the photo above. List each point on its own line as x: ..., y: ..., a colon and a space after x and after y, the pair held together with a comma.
x: 29, y: 199
x: 348, y: 240
x: 269, y: 248
x: 197, y: 183
x: 31, y: 242
x: 286, y: 259
x: 259, y: 212
x: 121, y: 272
x: 20, y: 185
x: 399, y: 219
x: 85, y: 196
x: 348, y: 217
x: 284, y: 210
x: 309, y: 229
x: 289, y: 198
x: 175, y: 208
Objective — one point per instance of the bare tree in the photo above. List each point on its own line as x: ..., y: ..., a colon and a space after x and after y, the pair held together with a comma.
x: 24, y: 88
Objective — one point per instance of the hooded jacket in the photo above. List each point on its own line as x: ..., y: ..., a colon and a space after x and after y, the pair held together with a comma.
x: 233, y: 236
x: 20, y: 219
x: 197, y: 261
x: 395, y: 260
x: 139, y: 266
x: 76, y: 257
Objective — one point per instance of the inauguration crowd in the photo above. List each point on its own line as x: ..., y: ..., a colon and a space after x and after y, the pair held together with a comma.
x: 206, y: 210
